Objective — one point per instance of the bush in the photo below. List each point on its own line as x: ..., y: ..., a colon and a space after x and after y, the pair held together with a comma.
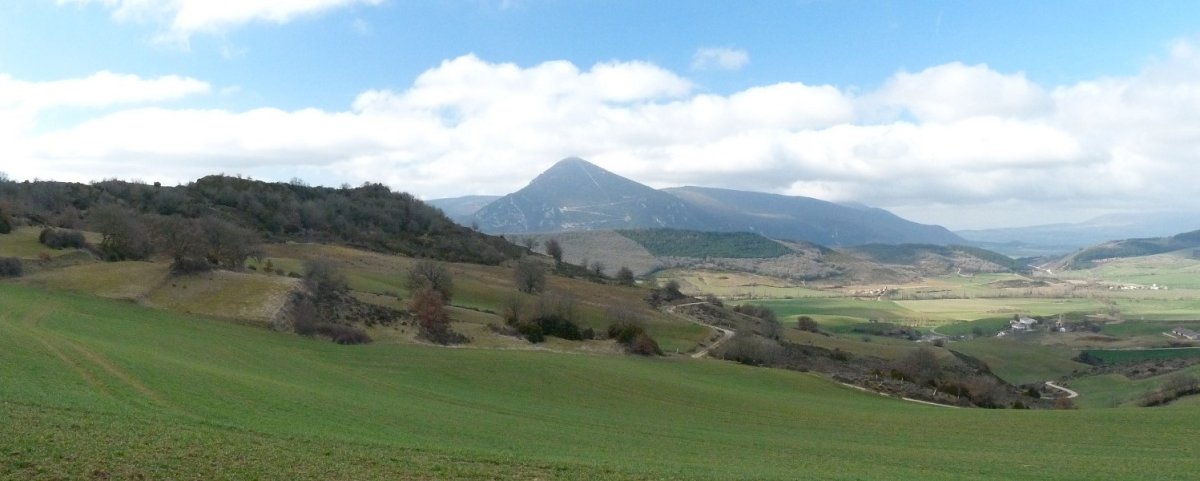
x: 6, y: 224
x: 10, y: 267
x: 531, y: 331
x: 62, y: 239
x: 645, y: 346
x: 556, y: 326
x: 805, y: 323
x: 625, y: 276
x: 342, y: 334
x: 190, y: 265
x: 634, y: 338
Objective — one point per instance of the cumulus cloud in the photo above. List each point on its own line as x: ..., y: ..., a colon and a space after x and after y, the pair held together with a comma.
x: 712, y: 58
x: 960, y: 144
x: 183, y: 18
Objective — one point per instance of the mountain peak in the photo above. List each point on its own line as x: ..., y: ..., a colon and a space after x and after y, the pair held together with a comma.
x: 575, y: 194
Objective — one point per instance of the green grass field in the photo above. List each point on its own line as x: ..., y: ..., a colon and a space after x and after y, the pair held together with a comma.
x: 100, y: 389
x: 1021, y: 361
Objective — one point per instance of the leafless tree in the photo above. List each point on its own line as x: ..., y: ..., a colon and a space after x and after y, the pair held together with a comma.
x: 426, y: 273
x: 529, y: 276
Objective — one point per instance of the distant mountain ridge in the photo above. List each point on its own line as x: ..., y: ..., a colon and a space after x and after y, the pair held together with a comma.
x: 813, y: 220
x: 1062, y: 238
x: 575, y: 195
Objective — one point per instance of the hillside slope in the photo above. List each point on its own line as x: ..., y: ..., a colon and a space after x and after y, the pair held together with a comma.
x: 98, y: 389
x: 1131, y: 248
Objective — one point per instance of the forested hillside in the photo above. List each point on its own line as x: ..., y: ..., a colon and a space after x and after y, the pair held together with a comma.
x: 370, y: 216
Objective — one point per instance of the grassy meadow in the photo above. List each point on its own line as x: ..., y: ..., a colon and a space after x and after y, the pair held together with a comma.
x: 102, y: 389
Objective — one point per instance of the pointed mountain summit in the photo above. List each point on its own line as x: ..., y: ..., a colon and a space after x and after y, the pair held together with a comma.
x: 575, y: 194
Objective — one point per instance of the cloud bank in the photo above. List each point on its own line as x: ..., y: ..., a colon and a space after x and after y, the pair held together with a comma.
x: 958, y: 144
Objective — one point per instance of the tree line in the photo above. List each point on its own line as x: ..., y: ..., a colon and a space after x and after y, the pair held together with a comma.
x: 370, y: 216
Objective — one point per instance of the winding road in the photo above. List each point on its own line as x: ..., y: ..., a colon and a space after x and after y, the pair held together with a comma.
x: 726, y: 334
x: 1070, y: 394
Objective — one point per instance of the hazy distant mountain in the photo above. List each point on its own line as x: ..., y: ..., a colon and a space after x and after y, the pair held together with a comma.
x: 462, y: 209
x: 577, y: 195
x: 1063, y: 238
x: 813, y: 220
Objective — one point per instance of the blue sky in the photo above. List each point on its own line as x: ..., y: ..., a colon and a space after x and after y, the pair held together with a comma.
x: 946, y: 112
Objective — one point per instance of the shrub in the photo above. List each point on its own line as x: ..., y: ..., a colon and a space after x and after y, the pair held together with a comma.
x: 805, y: 323
x: 6, y: 224
x: 634, y: 338
x: 752, y: 350
x: 190, y: 265
x: 588, y: 333
x: 644, y: 345
x: 429, y: 308
x: 10, y: 267
x: 625, y: 276
x: 342, y: 334
x: 556, y: 326
x: 62, y: 238
x: 531, y: 331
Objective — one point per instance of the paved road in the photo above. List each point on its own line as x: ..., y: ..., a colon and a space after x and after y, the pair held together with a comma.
x: 1070, y: 394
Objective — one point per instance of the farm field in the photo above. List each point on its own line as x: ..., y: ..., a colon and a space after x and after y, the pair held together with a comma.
x: 101, y: 388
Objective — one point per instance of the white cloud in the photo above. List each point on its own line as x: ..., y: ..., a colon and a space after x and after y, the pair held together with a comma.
x: 995, y: 146
x: 709, y: 58
x: 102, y: 89
x: 955, y: 91
x: 183, y: 18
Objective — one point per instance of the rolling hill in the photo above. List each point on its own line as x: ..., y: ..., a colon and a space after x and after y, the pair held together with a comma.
x: 1131, y: 248
x: 100, y: 389
x: 576, y: 195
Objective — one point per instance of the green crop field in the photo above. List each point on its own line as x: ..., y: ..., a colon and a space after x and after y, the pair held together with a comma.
x: 1021, y: 361
x: 100, y: 389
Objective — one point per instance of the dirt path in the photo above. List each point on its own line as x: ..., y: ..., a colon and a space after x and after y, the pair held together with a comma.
x: 1070, y: 394
x: 726, y: 334
x: 911, y: 400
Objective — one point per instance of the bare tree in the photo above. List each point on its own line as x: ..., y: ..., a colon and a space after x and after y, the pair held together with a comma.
x: 529, y: 276
x: 324, y: 279
x: 554, y: 250
x: 920, y: 365
x: 597, y: 269
x: 426, y: 273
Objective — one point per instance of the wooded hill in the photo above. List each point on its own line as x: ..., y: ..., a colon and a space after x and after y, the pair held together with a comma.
x: 370, y: 216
